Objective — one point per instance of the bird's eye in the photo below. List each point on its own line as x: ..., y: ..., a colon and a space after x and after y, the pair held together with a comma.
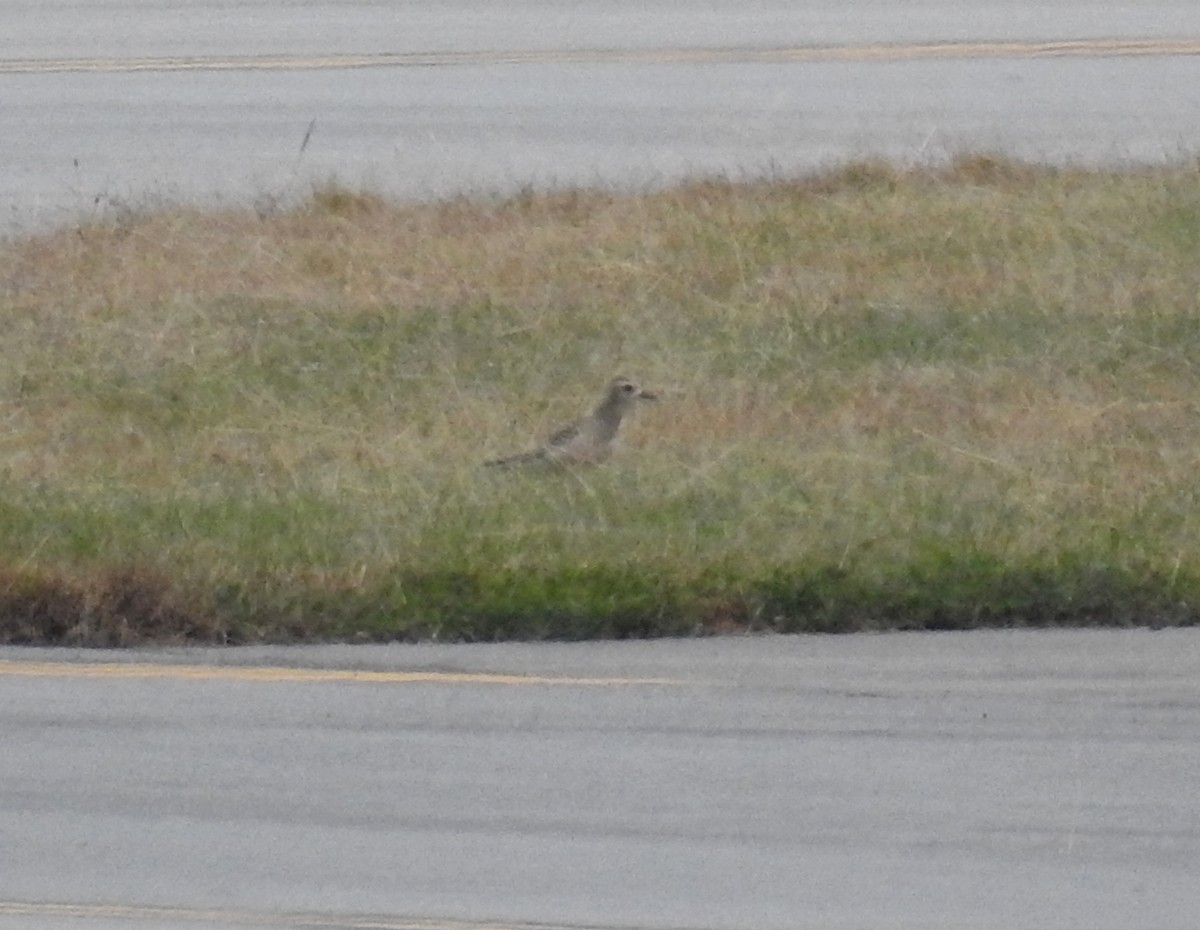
x: 628, y: 388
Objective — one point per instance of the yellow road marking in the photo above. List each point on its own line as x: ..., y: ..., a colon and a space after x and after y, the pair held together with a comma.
x: 248, y: 918
x: 275, y: 673
x: 868, y: 52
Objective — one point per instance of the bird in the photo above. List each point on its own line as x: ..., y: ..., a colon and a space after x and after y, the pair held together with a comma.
x: 589, y: 440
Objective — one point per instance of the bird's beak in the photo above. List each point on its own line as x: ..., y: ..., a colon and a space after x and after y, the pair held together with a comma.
x: 647, y: 395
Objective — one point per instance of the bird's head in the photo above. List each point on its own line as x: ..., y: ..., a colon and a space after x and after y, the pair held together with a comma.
x: 626, y: 393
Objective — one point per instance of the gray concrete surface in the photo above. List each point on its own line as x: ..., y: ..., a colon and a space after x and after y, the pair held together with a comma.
x: 85, y: 142
x: 983, y: 780
x: 145, y: 28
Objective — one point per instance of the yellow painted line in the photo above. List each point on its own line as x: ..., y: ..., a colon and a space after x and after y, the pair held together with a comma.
x: 247, y: 918
x: 867, y: 52
x: 276, y: 673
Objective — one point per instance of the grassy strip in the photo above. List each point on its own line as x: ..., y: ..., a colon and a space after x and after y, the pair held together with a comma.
x: 941, y: 591
x: 938, y: 398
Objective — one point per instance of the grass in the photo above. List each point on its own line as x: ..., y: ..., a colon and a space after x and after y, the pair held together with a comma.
x: 930, y: 398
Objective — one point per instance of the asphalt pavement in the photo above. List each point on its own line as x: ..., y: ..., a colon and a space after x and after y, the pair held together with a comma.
x: 125, y: 104
x: 968, y: 780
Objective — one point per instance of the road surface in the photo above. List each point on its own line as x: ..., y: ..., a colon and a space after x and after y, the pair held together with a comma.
x: 962, y: 780
x: 114, y: 104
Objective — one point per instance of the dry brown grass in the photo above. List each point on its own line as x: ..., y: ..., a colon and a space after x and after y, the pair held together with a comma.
x: 118, y: 608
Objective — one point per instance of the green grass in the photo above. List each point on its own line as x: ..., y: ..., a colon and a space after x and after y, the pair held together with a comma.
x: 937, y: 398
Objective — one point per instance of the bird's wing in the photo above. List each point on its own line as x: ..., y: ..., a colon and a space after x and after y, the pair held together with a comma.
x: 564, y: 437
